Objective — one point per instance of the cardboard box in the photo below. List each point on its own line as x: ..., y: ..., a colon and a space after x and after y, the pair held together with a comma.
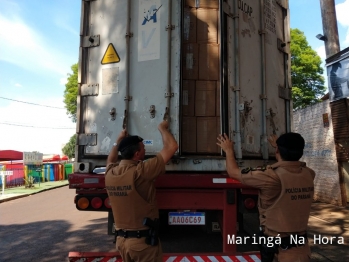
x: 207, y: 26
x: 189, y: 26
x: 205, y: 98
x: 188, y: 98
x: 190, y: 61
x: 206, y: 138
x: 188, y: 140
x: 208, y: 62
x: 202, y: 3
x: 218, y: 99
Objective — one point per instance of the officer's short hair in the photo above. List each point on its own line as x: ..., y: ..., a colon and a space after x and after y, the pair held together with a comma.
x: 129, y: 146
x: 291, y: 146
x: 130, y: 151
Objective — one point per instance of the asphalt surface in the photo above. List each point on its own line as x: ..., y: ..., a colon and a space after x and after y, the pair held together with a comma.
x: 328, y: 228
x: 47, y: 226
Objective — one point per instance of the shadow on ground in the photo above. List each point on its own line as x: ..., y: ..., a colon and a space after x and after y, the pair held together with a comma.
x: 33, y: 241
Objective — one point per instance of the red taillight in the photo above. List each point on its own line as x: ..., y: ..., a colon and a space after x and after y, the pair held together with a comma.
x: 107, y: 203
x: 96, y: 202
x: 249, y: 203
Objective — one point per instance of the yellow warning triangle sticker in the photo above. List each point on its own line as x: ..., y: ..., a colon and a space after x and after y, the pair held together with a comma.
x: 110, y: 55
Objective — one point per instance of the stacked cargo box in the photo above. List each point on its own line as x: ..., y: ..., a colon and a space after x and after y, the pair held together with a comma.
x: 200, y: 86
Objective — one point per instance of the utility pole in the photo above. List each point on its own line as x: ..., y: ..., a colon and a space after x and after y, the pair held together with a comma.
x: 330, y: 38
x: 330, y: 28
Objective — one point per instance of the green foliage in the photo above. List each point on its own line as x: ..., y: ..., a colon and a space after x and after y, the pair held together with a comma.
x: 29, y: 183
x: 71, y: 93
x: 69, y: 148
x: 306, y: 72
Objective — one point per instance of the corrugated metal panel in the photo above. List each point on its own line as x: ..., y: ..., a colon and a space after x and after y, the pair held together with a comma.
x: 147, y: 73
x: 145, y: 60
x: 260, y: 75
x: 340, y: 120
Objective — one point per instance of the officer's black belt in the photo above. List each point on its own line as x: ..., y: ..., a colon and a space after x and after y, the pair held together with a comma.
x: 132, y: 234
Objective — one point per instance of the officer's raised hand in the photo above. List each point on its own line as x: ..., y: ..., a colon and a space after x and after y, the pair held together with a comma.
x: 170, y: 144
x: 121, y: 136
x: 225, y: 143
x: 163, y: 125
x: 272, y: 140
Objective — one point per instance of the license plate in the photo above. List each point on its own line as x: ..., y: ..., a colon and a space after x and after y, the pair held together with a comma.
x: 186, y: 218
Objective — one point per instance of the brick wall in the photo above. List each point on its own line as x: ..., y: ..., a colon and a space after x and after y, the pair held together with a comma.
x: 319, y: 152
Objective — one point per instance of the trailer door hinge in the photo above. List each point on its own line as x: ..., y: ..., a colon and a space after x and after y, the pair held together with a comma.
x: 281, y: 45
x: 263, y: 96
x: 89, y: 90
x: 90, y: 41
x: 285, y: 93
x: 112, y: 113
x: 128, y: 98
x: 281, y: 4
x: 87, y: 139
x: 170, y: 27
x: 235, y: 88
x: 227, y: 10
x: 169, y: 94
x: 197, y: 161
x: 152, y: 111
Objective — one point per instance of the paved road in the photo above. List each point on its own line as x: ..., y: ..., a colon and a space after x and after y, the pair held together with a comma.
x: 46, y: 226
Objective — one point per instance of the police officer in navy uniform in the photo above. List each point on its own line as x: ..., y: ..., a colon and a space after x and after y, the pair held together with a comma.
x: 131, y: 191
x: 286, y: 191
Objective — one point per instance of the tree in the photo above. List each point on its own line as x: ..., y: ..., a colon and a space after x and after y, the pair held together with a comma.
x: 69, y: 148
x: 306, y: 72
x: 71, y: 93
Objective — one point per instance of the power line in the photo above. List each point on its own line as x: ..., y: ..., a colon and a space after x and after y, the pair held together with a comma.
x: 36, y: 126
x: 30, y: 103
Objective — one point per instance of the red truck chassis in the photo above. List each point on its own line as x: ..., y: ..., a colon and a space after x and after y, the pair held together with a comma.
x: 180, y: 191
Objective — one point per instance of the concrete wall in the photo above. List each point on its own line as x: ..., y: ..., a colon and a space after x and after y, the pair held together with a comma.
x: 319, y: 151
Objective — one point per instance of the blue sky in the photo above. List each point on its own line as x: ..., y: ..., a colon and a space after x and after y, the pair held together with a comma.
x: 306, y: 16
x: 39, y: 43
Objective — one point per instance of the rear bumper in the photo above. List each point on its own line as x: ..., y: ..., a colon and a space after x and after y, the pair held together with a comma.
x: 111, y: 256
